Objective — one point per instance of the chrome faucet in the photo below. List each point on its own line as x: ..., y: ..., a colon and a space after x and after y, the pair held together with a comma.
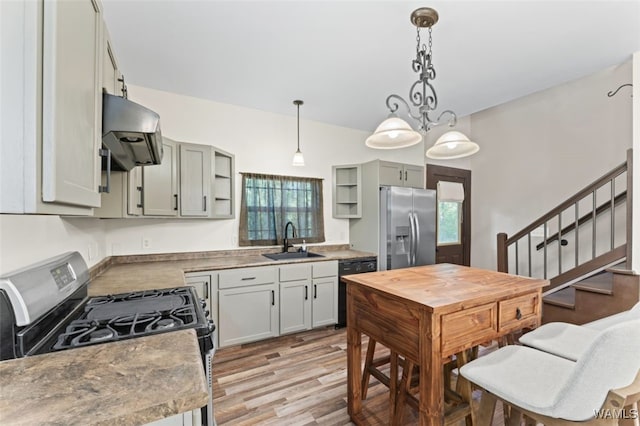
x: 286, y: 239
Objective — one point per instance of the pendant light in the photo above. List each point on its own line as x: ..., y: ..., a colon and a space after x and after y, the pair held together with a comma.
x: 452, y: 145
x: 298, y: 159
x: 395, y: 132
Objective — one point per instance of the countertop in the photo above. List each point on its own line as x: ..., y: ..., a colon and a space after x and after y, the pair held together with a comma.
x: 161, y: 271
x: 130, y: 382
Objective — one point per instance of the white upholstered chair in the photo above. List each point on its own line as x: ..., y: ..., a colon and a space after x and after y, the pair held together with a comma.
x: 569, y: 340
x: 555, y: 390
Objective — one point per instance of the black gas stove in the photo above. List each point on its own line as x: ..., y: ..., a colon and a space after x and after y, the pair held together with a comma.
x: 127, y: 315
x: 44, y: 308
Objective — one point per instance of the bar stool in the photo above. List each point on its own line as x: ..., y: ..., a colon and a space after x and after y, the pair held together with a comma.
x: 403, y: 392
x: 458, y: 401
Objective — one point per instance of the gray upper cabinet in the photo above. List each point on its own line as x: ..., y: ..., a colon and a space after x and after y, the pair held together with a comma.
x: 71, y: 119
x: 160, y: 183
x: 195, y: 180
x: 398, y: 174
x: 52, y: 112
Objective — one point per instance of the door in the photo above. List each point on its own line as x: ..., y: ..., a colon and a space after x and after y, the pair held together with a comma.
x: 391, y: 173
x: 160, y: 183
x: 247, y: 314
x: 396, y: 206
x: 413, y: 176
x: 424, y: 215
x: 453, y: 223
x: 195, y: 180
x: 295, y: 306
x: 71, y: 102
x: 325, y: 301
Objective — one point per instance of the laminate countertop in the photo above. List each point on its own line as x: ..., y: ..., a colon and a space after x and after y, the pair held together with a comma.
x: 135, y: 273
x: 130, y: 382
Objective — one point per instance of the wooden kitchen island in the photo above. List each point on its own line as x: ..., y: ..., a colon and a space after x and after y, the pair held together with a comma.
x: 428, y: 313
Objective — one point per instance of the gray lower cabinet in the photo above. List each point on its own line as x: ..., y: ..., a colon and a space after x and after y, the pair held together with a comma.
x: 325, y: 293
x: 295, y: 298
x: 206, y: 285
x: 248, y: 305
x: 261, y: 302
x: 308, y: 296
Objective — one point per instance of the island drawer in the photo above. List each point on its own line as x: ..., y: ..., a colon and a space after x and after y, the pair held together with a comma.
x: 457, y: 327
x: 515, y: 313
x: 241, y: 277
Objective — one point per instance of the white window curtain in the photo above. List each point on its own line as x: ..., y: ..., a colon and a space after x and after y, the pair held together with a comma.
x: 450, y: 191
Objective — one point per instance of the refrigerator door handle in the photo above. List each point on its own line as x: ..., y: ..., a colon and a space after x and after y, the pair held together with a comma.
x: 416, y: 227
x: 412, y: 239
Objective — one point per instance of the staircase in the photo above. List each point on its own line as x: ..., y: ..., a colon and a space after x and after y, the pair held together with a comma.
x: 599, y: 295
x: 580, y: 247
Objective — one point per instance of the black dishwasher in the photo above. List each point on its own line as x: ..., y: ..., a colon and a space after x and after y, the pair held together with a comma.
x: 349, y: 267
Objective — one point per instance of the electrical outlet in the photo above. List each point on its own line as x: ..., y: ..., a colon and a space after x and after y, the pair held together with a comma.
x: 146, y: 243
x: 234, y: 240
x: 90, y: 253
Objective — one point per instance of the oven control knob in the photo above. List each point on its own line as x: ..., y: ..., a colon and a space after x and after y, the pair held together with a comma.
x: 206, y: 312
x: 212, y: 326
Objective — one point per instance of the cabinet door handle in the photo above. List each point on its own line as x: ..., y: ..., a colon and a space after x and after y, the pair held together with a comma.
x: 315, y: 291
x: 405, y: 175
x: 141, y: 190
x: 123, y: 89
x: 306, y: 293
x: 273, y: 298
x: 175, y: 196
x: 206, y: 290
x: 518, y: 314
x: 204, y: 202
x: 400, y: 174
x: 106, y: 153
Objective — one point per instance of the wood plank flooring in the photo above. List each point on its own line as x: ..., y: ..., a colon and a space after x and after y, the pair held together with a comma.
x: 300, y: 379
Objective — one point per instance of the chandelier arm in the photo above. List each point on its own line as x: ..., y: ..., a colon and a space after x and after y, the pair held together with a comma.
x: 393, y: 107
x: 453, y: 119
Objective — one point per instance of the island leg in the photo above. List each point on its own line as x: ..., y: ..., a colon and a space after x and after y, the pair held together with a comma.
x: 431, y: 381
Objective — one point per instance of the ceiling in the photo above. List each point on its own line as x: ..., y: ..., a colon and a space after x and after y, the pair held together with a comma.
x: 343, y: 58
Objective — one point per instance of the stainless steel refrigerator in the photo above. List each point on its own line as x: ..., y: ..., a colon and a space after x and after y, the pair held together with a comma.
x: 407, y: 227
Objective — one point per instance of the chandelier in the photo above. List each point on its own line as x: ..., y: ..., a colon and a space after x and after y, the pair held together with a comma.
x: 394, y: 132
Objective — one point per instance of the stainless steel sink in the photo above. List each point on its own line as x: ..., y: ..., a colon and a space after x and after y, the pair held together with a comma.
x: 293, y: 255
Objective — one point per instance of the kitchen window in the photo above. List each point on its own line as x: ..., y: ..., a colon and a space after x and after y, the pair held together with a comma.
x: 270, y: 201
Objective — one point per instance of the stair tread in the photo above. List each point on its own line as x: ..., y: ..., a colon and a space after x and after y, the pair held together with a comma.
x: 599, y: 283
x: 565, y: 298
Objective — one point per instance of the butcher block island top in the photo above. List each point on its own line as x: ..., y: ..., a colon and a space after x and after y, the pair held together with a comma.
x: 130, y: 382
x: 429, y: 313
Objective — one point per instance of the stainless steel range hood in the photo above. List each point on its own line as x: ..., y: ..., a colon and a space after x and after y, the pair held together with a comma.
x: 131, y: 132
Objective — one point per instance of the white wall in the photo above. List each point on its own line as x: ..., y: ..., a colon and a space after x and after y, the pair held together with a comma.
x: 26, y: 239
x: 538, y: 150
x: 262, y: 142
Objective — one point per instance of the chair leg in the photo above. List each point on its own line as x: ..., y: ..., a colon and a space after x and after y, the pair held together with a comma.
x: 463, y: 386
x: 366, y: 375
x: 403, y: 389
x: 514, y: 416
x: 484, y: 416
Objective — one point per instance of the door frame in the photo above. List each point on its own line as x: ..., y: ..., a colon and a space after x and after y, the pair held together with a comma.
x: 437, y: 173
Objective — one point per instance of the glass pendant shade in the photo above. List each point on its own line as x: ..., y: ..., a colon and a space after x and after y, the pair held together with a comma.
x: 298, y: 159
x: 452, y: 145
x: 393, y: 133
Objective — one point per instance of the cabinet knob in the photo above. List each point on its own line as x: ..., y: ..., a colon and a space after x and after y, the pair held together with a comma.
x: 518, y: 313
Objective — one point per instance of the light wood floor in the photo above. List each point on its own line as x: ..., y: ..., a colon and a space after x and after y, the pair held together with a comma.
x: 299, y: 379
